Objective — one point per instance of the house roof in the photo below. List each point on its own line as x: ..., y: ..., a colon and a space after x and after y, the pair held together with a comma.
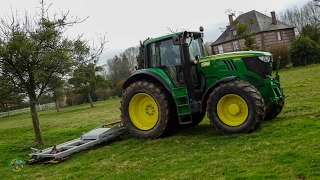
x: 261, y: 23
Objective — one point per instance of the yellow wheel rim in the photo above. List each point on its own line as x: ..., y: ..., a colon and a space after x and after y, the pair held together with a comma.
x: 232, y: 110
x: 143, y: 111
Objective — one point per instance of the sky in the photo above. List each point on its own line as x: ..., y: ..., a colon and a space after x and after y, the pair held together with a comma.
x: 126, y: 22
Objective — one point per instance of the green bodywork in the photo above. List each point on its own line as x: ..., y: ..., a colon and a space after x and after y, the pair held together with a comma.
x: 179, y: 94
x: 215, y: 69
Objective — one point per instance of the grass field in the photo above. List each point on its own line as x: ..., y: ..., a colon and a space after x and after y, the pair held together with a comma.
x: 288, y: 147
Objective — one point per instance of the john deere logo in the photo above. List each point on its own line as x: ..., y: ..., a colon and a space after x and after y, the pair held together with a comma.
x: 16, y: 165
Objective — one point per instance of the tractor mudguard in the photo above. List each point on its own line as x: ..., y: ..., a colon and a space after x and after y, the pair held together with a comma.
x: 146, y: 75
x: 209, y: 90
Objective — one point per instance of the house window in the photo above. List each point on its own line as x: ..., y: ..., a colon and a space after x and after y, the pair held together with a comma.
x: 235, y: 45
x: 220, y: 49
x: 234, y: 32
x: 279, y: 36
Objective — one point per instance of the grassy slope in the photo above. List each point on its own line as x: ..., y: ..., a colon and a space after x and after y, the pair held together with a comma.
x: 284, y: 148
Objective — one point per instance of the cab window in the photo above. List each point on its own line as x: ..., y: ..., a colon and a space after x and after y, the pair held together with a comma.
x: 154, y: 55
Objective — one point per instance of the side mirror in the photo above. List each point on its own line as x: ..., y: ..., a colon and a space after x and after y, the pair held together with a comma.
x: 197, y: 58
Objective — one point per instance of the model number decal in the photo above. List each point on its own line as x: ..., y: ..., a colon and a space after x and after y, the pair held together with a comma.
x: 205, y: 64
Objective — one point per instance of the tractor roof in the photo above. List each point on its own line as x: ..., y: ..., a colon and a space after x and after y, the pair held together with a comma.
x: 168, y: 36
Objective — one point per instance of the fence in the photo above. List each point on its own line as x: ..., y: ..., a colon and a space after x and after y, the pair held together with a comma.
x: 40, y: 107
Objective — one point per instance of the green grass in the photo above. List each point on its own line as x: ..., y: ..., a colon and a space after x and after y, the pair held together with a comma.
x: 288, y: 147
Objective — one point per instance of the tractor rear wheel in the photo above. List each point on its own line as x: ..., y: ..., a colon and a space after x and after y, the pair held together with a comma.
x: 145, y: 110
x: 235, y: 107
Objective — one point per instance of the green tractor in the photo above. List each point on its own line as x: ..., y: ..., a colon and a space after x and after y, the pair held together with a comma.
x: 180, y: 85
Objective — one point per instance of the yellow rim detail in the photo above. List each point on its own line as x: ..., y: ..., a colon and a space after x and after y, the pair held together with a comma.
x: 143, y: 111
x: 232, y: 110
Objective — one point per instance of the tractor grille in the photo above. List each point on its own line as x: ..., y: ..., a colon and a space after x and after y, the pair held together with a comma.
x: 254, y: 64
x: 230, y: 65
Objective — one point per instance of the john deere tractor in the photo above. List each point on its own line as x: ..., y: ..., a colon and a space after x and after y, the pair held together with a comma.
x: 236, y: 90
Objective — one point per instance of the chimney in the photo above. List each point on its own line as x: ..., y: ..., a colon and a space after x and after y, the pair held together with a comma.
x: 273, y: 16
x: 230, y: 18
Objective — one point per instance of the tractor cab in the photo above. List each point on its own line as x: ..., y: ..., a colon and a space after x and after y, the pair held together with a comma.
x: 177, y: 55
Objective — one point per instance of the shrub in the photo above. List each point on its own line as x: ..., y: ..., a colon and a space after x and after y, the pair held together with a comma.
x: 288, y: 66
x: 119, y: 87
x: 74, y: 99
x: 103, y: 93
x: 279, y: 50
x: 93, y: 95
x: 108, y: 94
x: 312, y: 32
x: 304, y: 51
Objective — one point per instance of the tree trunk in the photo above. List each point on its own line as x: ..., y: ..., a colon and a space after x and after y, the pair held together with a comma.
x: 90, y: 100
x: 35, y: 121
x: 57, y: 105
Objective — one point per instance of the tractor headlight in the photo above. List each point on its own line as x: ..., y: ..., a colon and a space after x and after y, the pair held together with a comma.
x: 265, y: 58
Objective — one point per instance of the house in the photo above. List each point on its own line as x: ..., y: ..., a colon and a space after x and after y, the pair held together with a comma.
x: 268, y: 31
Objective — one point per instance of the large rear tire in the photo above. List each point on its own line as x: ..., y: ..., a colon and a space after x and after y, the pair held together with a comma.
x: 145, y: 110
x: 235, y: 107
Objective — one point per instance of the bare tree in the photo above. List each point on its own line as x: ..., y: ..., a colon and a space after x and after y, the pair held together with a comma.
x: 171, y: 31
x: 312, y: 13
x: 207, y: 49
x: 309, y: 14
x: 293, y: 17
x: 131, y: 53
x: 118, y: 68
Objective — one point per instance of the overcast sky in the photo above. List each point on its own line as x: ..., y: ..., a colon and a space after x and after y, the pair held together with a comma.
x: 126, y: 22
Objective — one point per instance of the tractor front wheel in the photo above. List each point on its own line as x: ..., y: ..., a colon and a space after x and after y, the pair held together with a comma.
x: 145, y: 110
x: 235, y: 107
x: 274, y: 110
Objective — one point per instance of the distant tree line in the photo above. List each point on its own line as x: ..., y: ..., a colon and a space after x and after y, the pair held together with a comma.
x: 119, y: 68
x: 305, y: 49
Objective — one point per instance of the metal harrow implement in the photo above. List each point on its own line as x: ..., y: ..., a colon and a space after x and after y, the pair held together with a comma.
x: 62, y: 151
